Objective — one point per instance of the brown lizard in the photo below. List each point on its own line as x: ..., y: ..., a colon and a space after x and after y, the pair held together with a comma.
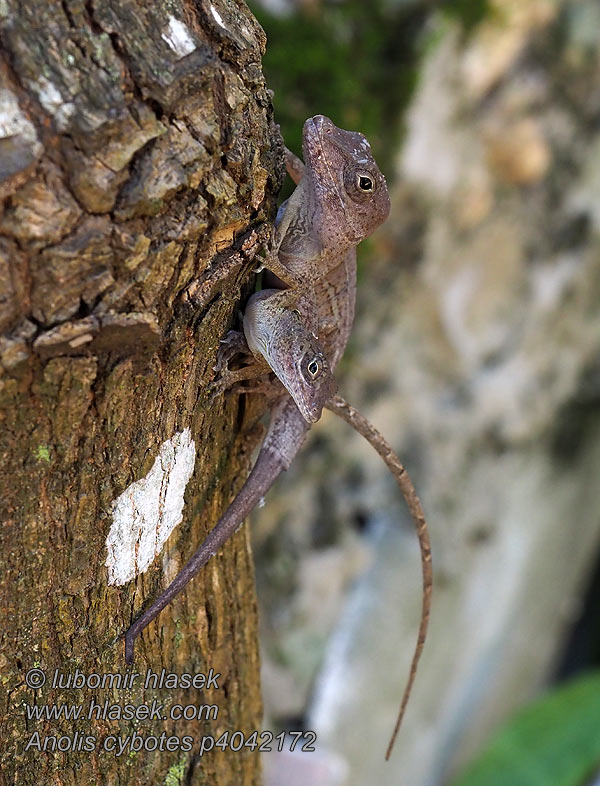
x: 340, y: 198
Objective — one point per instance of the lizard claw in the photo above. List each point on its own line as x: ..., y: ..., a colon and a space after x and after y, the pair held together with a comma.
x: 215, y: 389
x: 233, y: 344
x: 225, y: 381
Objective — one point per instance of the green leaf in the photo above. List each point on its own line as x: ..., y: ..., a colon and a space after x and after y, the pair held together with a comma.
x: 553, y: 742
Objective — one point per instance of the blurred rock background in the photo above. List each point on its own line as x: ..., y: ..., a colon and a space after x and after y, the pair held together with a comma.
x: 476, y: 351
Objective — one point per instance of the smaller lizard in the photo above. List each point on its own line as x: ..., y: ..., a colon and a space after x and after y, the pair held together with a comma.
x: 275, y: 339
x: 278, y: 335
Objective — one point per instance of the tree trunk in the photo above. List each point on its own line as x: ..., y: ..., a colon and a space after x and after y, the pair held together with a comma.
x: 138, y: 154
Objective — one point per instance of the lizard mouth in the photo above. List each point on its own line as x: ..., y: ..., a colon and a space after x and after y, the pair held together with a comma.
x: 311, y: 415
x: 310, y: 412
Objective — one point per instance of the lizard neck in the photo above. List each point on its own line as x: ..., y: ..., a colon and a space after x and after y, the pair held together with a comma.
x: 304, y: 248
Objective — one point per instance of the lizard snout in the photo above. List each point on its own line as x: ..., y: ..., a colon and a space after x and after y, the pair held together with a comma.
x: 310, y: 412
x: 320, y: 123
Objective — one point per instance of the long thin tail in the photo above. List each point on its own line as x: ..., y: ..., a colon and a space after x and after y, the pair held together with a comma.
x: 286, y: 433
x: 267, y: 467
x: 345, y: 411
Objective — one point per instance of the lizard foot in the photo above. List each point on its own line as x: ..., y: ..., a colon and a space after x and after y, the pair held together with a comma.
x: 266, y: 386
x: 231, y: 380
x: 233, y: 344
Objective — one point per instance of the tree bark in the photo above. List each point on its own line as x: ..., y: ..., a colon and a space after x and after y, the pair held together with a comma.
x: 138, y: 155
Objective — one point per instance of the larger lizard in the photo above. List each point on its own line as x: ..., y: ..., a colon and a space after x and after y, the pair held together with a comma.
x: 340, y: 198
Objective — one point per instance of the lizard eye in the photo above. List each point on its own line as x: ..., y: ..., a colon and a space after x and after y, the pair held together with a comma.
x: 364, y: 182
x: 314, y: 367
x: 360, y: 184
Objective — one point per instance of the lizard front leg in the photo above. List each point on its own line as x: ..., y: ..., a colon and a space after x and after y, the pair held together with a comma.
x: 294, y: 166
x: 233, y: 345
x: 291, y: 292
x: 230, y: 380
x: 201, y: 291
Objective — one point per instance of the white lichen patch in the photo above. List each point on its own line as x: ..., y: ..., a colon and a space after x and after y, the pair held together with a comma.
x: 14, y: 123
x: 179, y: 38
x: 146, y: 513
x: 217, y: 16
x: 49, y: 95
x: 51, y: 99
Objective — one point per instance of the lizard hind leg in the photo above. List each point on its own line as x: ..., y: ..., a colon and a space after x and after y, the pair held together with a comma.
x: 342, y: 409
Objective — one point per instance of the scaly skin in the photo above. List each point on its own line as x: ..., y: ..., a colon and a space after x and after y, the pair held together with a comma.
x: 278, y: 336
x: 328, y: 214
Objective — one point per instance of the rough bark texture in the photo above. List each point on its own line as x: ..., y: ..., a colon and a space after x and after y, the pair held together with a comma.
x: 136, y: 147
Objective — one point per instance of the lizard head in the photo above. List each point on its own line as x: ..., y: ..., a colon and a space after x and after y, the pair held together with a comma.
x: 310, y: 382
x: 350, y: 190
x: 279, y: 335
x: 297, y: 359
